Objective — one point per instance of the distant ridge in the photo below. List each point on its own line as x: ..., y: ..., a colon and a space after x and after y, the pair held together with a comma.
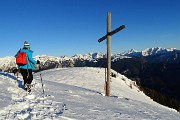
x: 162, y: 54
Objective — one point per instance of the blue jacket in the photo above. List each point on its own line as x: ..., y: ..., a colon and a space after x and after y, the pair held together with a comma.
x: 31, y: 62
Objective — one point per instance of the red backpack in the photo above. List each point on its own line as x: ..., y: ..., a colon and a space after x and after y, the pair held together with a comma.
x: 21, y: 58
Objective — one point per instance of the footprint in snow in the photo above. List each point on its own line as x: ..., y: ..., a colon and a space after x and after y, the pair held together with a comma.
x: 25, y: 106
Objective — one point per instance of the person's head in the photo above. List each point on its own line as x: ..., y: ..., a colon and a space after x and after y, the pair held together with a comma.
x: 26, y: 45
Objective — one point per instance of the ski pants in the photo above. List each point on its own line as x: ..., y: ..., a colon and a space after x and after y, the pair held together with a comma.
x: 27, y: 75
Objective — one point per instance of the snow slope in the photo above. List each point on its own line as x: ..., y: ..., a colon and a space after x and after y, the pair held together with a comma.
x: 77, y: 94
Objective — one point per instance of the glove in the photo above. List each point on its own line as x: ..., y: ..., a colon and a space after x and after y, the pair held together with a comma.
x: 38, y: 62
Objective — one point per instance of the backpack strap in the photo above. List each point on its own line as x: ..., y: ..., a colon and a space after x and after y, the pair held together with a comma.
x: 27, y: 66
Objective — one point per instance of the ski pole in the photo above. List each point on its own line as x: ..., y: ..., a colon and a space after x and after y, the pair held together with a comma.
x: 41, y: 79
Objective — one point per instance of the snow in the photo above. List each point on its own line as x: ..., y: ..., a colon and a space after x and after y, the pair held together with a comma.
x: 77, y: 94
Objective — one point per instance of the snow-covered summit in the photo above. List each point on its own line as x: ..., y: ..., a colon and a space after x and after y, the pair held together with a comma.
x: 78, y: 94
x: 147, y: 52
x: 129, y: 52
x: 156, y: 50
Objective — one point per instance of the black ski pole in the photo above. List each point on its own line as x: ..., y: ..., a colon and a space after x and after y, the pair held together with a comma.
x: 41, y: 79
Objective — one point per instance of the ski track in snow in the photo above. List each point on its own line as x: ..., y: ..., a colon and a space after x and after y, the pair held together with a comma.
x: 25, y: 106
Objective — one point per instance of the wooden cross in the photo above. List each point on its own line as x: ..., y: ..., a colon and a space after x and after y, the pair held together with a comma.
x: 108, y: 37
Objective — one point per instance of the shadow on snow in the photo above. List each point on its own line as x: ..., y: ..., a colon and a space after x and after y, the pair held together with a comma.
x: 20, y: 83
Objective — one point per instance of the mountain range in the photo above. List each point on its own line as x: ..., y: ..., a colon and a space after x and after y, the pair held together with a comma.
x: 153, y: 55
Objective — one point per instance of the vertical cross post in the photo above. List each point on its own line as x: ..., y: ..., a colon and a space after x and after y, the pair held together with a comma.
x: 108, y: 54
x: 108, y: 37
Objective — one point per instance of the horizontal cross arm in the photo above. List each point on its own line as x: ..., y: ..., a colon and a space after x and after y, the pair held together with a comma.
x: 103, y: 38
x: 117, y: 30
x: 112, y: 33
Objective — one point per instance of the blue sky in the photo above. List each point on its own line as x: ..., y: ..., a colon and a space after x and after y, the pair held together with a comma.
x: 68, y: 27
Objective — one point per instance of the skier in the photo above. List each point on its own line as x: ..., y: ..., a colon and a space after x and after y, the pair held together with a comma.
x: 26, y: 70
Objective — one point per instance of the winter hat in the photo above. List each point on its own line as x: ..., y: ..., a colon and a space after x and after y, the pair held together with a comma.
x: 26, y: 44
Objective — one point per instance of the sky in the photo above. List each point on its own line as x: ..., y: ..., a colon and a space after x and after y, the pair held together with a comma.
x: 69, y: 27
x: 77, y: 94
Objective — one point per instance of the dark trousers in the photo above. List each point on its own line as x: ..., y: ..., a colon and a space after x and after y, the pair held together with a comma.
x: 27, y: 75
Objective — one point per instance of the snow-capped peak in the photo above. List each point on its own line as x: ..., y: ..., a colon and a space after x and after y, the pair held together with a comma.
x: 153, y: 51
x: 129, y: 52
